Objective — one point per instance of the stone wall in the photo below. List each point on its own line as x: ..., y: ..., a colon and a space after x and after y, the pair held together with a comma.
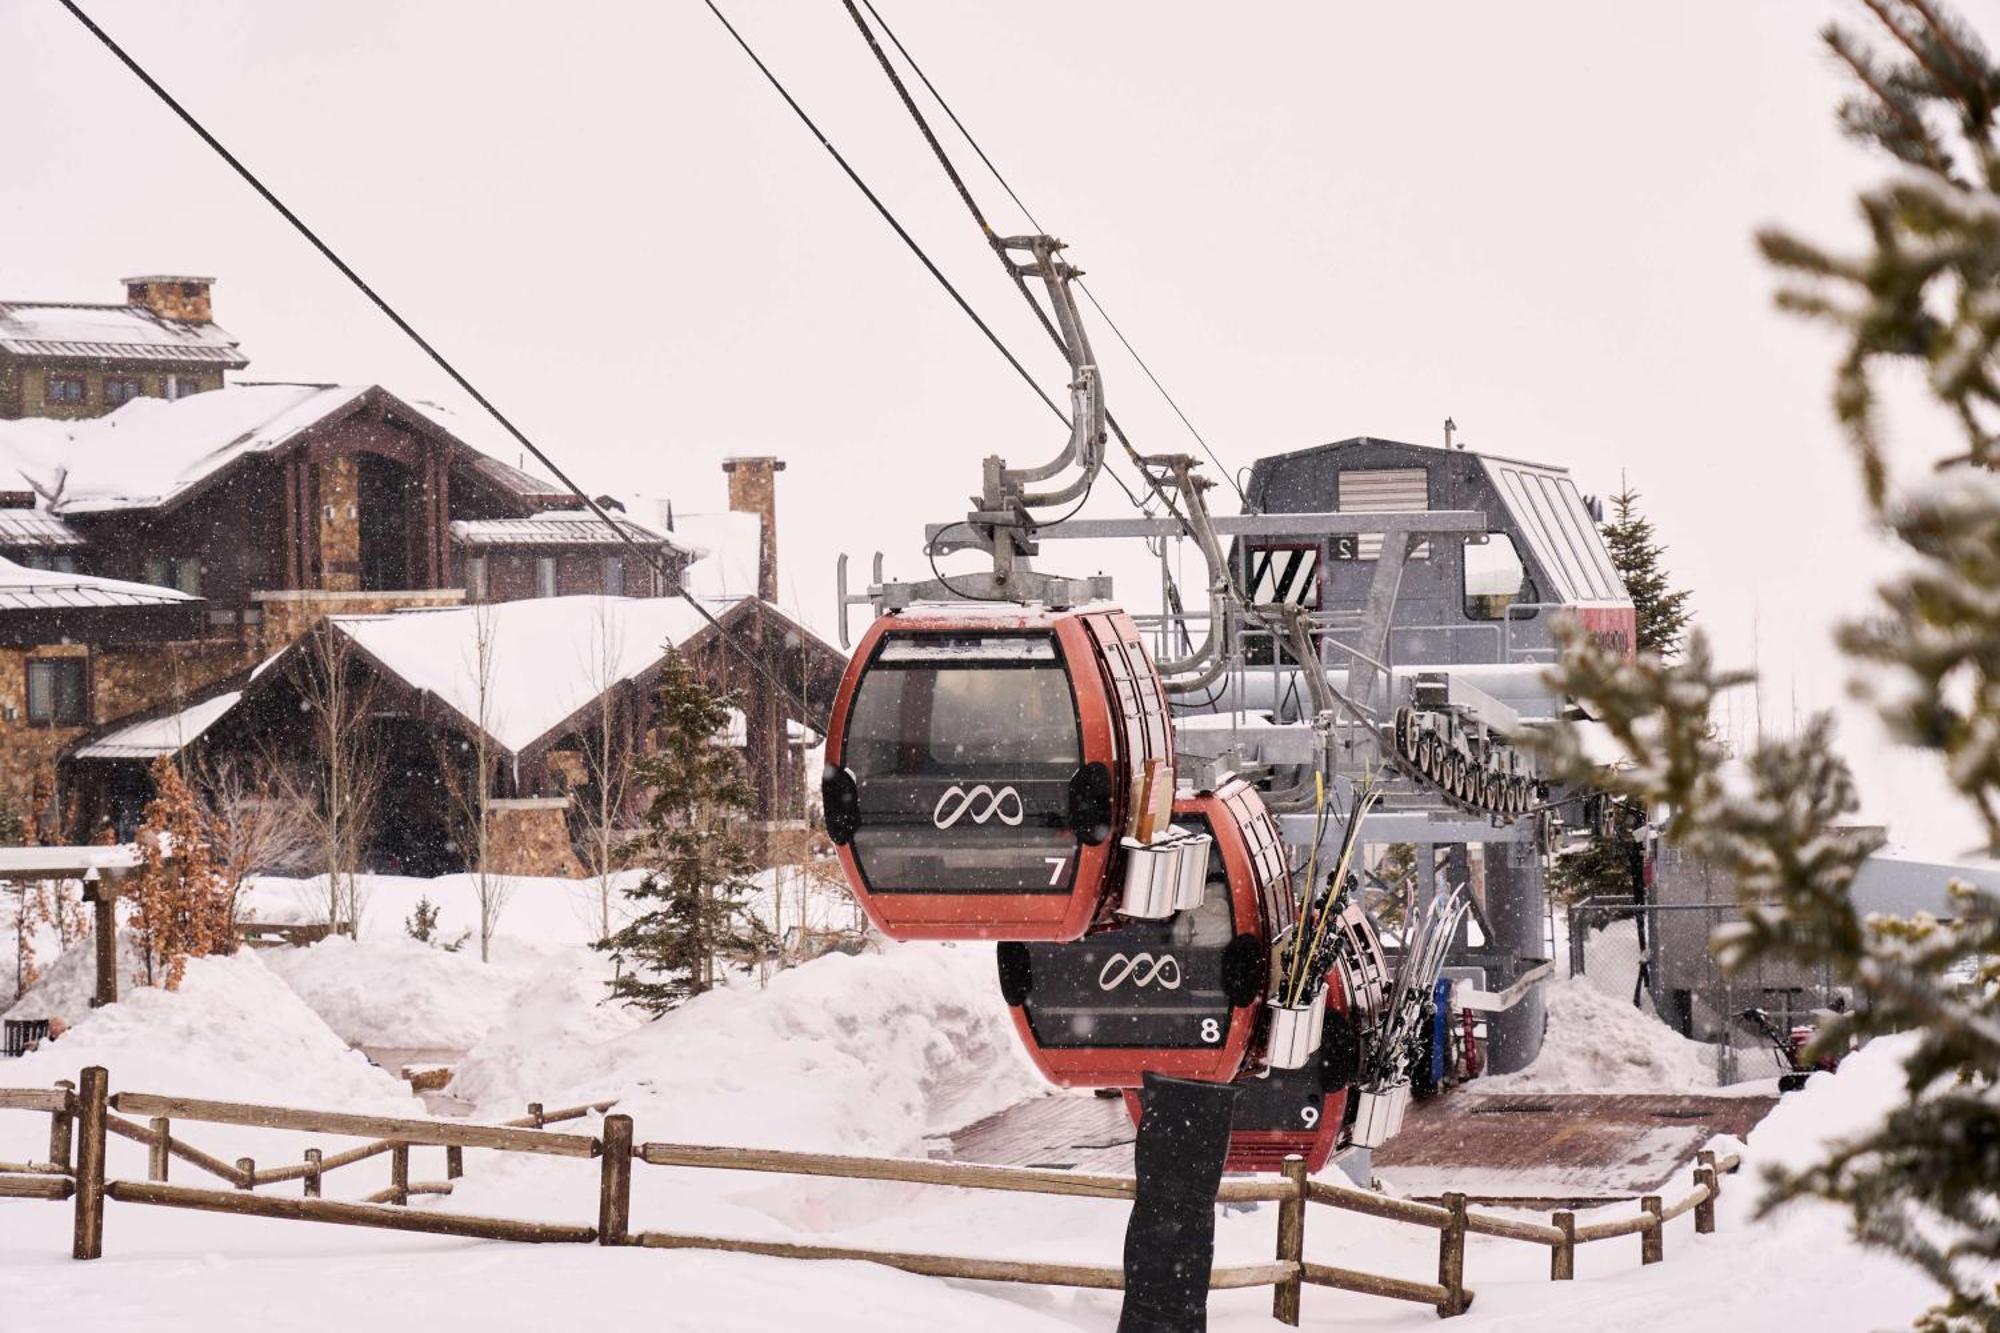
x: 340, y: 523
x: 123, y: 681
x: 288, y: 615
x: 530, y: 836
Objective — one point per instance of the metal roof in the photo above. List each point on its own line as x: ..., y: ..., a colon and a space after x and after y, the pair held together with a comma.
x: 36, y: 528
x: 557, y: 529
x: 60, y: 330
x: 161, y: 735
x: 24, y: 589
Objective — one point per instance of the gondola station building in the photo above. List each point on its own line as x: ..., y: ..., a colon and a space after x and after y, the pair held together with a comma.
x: 168, y: 537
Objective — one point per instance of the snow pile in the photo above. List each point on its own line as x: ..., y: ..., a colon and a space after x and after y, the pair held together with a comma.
x: 66, y: 985
x: 395, y: 991
x: 1596, y: 1043
x: 841, y: 1054
x: 540, y: 913
x: 233, y: 1030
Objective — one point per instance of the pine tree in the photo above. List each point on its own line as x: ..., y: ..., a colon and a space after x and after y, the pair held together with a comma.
x: 689, y: 907
x: 1924, y: 1183
x: 1602, y: 866
x: 1663, y: 613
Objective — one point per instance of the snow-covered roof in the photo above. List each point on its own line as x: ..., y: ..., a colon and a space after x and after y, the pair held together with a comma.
x: 727, y: 548
x: 123, y: 332
x: 549, y: 657
x: 162, y: 735
x: 565, y: 527
x: 20, y: 528
x: 151, y: 450
x: 65, y: 862
x: 25, y: 589
x: 486, y: 437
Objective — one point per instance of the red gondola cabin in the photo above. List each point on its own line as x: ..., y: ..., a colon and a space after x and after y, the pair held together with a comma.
x: 982, y: 763
x: 1280, y: 1112
x: 1179, y: 996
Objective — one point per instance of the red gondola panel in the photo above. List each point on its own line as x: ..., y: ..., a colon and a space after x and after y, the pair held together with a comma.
x: 1179, y: 996
x: 982, y: 763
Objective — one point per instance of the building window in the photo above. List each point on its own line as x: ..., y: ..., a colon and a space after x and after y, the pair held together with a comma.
x: 69, y: 390
x: 118, y: 392
x: 60, y: 562
x: 1495, y: 578
x: 475, y: 577
x: 187, y: 575
x: 614, y: 576
x: 159, y: 571
x: 56, y: 693
x: 545, y: 576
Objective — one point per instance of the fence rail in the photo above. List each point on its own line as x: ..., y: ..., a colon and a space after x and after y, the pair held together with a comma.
x: 83, y: 1119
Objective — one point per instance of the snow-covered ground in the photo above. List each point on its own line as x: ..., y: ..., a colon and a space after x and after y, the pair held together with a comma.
x: 867, y: 1054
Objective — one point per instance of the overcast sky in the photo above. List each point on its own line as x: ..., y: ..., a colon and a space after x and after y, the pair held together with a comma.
x: 1315, y: 220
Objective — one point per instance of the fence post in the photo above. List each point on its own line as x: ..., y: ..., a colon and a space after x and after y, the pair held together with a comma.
x: 535, y: 1114
x: 59, y: 1130
x: 1451, y: 1258
x: 399, y: 1172
x: 1704, y: 1212
x: 89, y: 1238
x: 1291, y: 1241
x: 1562, y: 1254
x: 454, y: 1162
x: 247, y: 1168
x: 614, y: 1196
x: 157, y: 1155
x: 1652, y: 1246
x: 312, y: 1173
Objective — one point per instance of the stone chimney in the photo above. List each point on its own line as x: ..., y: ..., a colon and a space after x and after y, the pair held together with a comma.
x: 753, y: 489
x: 172, y: 297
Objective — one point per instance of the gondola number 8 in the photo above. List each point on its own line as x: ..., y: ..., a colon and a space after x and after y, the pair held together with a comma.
x: 1211, y: 1030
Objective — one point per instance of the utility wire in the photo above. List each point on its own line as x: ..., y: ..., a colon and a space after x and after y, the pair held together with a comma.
x: 883, y: 209
x: 250, y: 178
x: 1035, y: 222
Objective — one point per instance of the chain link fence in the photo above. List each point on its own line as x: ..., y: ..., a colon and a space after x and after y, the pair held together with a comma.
x: 1657, y: 958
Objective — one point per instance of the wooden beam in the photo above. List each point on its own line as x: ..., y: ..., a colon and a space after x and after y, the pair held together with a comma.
x: 187, y: 1152
x: 1485, y: 1224
x: 434, y: 1132
x: 1291, y: 1242
x: 1451, y: 1259
x: 1370, y: 1204
x: 54, y: 1188
x: 1562, y: 1255
x: 1371, y: 1284
x: 965, y: 1175
x: 614, y: 1194
x: 347, y: 1214
x: 55, y: 1101
x: 88, y: 1239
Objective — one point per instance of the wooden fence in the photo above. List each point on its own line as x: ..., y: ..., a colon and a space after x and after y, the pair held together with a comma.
x: 81, y: 1118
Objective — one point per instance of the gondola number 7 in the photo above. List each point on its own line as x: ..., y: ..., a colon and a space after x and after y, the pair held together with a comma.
x: 1056, y: 864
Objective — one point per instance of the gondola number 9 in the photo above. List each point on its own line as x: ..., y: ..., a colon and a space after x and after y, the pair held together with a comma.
x: 1211, y: 1030
x: 1309, y: 1114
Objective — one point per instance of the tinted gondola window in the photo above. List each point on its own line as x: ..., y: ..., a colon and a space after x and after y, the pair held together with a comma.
x: 1155, y: 985
x: 962, y: 747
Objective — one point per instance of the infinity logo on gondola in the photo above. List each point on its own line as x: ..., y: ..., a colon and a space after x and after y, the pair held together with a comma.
x: 1141, y: 969
x: 967, y: 807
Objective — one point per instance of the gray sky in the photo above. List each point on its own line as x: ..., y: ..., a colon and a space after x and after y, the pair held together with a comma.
x: 1315, y: 220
